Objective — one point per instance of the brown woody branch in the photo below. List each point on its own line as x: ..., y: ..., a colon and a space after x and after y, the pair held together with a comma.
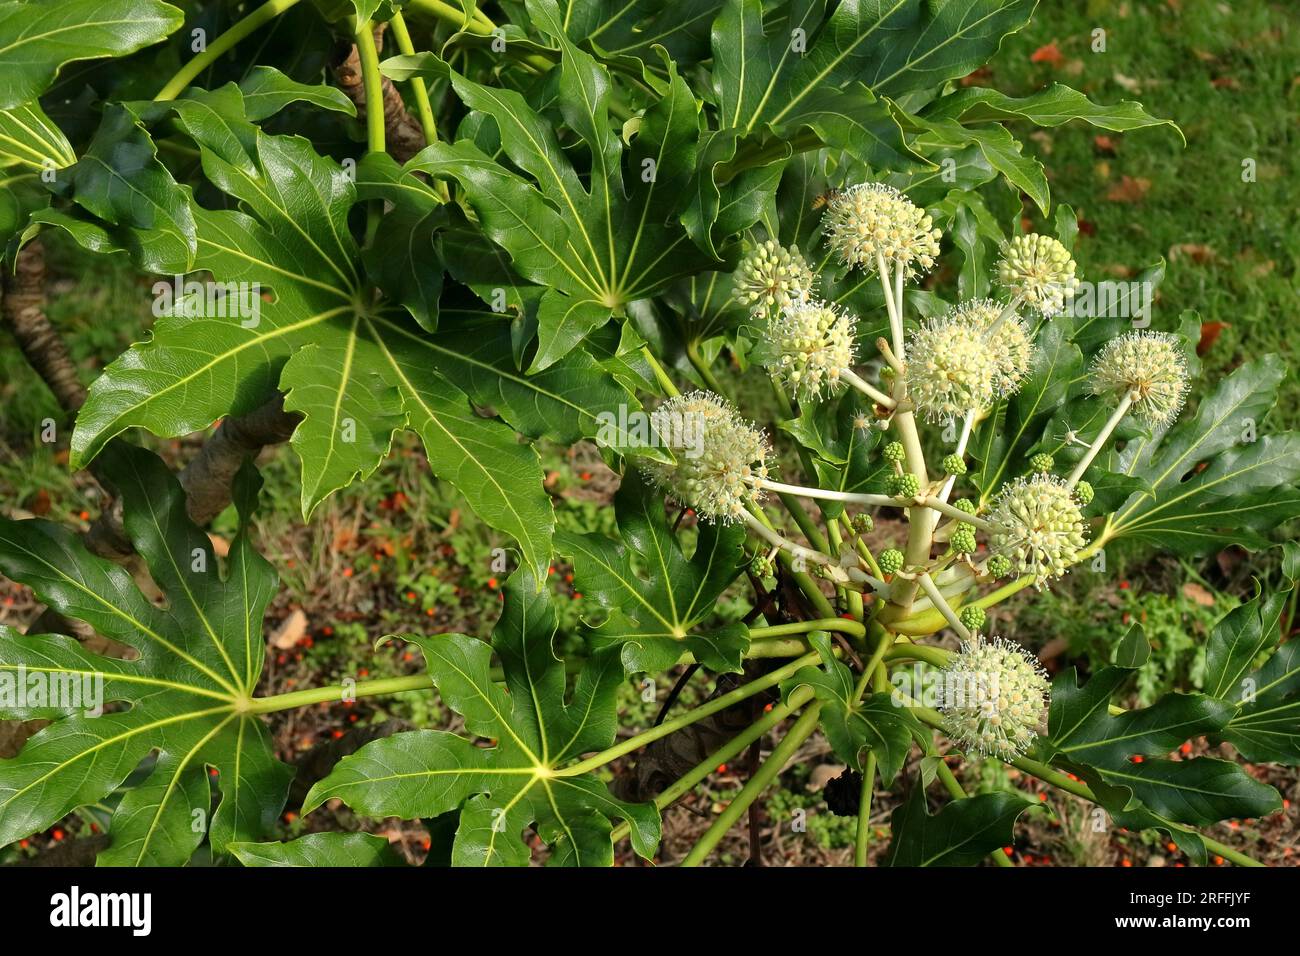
x: 402, y: 133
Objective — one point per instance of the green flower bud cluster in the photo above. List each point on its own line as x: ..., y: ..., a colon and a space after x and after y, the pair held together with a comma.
x: 966, y: 505
x: 771, y: 278
x: 891, y: 561
x: 1083, y: 491
x: 872, y: 220
x: 973, y: 617
x: 995, y: 696
x: 954, y: 464
x: 905, y: 485
x: 962, y: 539
x: 999, y: 565
x: 1042, y: 462
x: 1040, y: 270
x: 762, y: 567
x: 894, y: 451
x: 863, y: 523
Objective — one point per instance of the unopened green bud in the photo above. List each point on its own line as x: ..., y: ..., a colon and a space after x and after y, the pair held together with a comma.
x: 954, y: 465
x: 891, y: 561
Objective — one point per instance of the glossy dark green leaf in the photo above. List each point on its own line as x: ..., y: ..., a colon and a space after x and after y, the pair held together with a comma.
x: 200, y: 657
x: 320, y: 849
x: 855, y: 726
x: 300, y: 318
x: 1219, y: 477
x: 651, y: 595
x: 38, y: 37
x: 961, y: 834
x: 520, y: 780
x: 1052, y: 106
x: 597, y: 245
x: 1129, y: 750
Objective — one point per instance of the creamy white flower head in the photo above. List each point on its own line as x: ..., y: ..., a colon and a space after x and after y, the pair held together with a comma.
x: 716, y: 454
x: 1040, y: 270
x: 771, y: 278
x: 1008, y: 343
x: 950, y: 368
x: 812, y: 346
x: 1148, y: 365
x: 871, y: 219
x: 1038, y: 525
x: 995, y: 694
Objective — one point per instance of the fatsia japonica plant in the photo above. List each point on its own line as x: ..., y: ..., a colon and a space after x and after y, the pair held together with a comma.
x: 774, y: 260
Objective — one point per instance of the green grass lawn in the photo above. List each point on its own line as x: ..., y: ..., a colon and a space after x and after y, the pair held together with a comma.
x: 1229, y: 75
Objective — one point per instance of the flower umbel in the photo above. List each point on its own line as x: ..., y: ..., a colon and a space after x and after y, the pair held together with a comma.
x: 950, y: 368
x: 717, y: 453
x: 1150, y: 367
x: 1008, y: 341
x: 812, y: 346
x: 1040, y: 270
x: 995, y: 693
x: 871, y: 219
x: 1039, y: 526
x: 772, y: 278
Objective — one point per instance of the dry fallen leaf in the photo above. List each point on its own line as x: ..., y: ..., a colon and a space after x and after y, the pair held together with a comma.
x: 1104, y: 144
x: 291, y: 630
x: 1129, y: 189
x: 1198, y: 594
x: 220, y: 546
x: 1128, y: 83
x: 823, y: 774
x: 1197, y: 252
x: 1049, y: 54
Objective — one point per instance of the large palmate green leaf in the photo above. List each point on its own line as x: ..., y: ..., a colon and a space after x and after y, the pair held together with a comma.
x: 596, y: 245
x: 774, y: 68
x: 520, y: 781
x: 1052, y: 106
x: 1218, y: 478
x: 1129, y: 750
x: 651, y: 595
x: 854, y: 725
x: 961, y: 834
x: 320, y: 849
x: 200, y: 657
x: 632, y: 28
x: 1266, y: 722
x: 37, y: 37
x: 305, y: 321
x: 32, y: 149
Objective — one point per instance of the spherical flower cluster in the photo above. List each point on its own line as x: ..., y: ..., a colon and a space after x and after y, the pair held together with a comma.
x: 962, y: 539
x: 771, y: 278
x: 1040, y: 271
x: 906, y: 485
x: 717, y: 454
x: 999, y: 565
x: 950, y: 369
x: 1148, y: 365
x: 1007, y: 338
x: 891, y: 561
x: 871, y: 220
x: 1037, y: 525
x: 995, y: 694
x: 1042, y: 462
x: 812, y: 346
x: 972, y: 617
x: 954, y: 464
x: 1083, y: 491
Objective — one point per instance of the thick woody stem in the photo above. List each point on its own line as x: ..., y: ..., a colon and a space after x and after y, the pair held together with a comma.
x: 24, y: 314
x: 402, y: 132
